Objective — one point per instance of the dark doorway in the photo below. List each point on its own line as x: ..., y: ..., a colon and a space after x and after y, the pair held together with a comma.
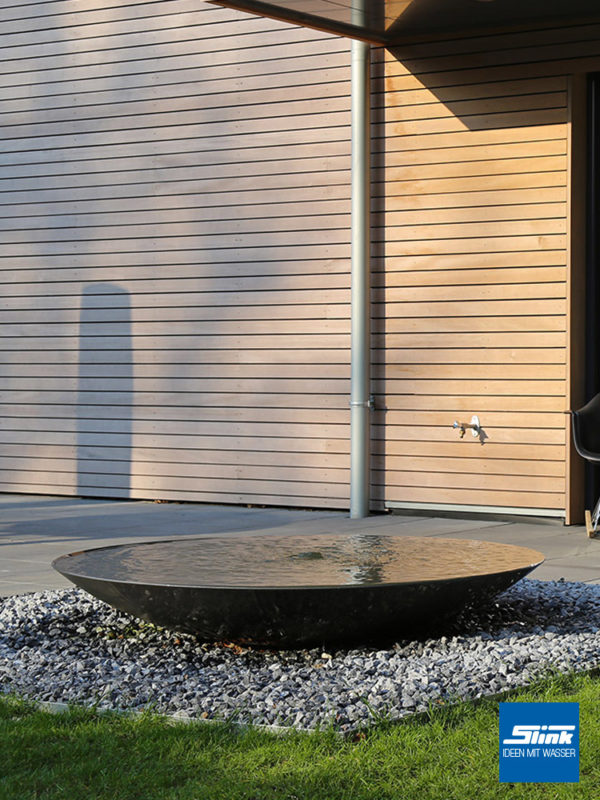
x: 592, y: 288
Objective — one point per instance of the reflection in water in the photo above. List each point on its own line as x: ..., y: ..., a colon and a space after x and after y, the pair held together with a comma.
x: 370, y: 554
x: 296, y: 561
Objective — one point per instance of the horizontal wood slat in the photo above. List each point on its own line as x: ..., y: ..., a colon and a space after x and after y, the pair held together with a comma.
x: 492, y: 155
x: 475, y: 214
x: 195, y: 384
x: 104, y: 307
x: 57, y: 14
x: 471, y: 279
x: 467, y: 324
x: 224, y: 495
x: 468, y: 482
x: 476, y: 308
x: 186, y: 105
x: 530, y: 37
x: 150, y: 484
x: 477, y: 497
x: 173, y: 372
x: 396, y: 371
x: 459, y: 230
x: 43, y: 8
x: 212, y: 328
x: 166, y: 265
x: 157, y: 468
x: 191, y: 400
x: 62, y: 294
x: 193, y: 430
x: 473, y: 388
x: 446, y: 433
x: 418, y: 403
x: 14, y: 359
x: 542, y: 298
x: 196, y: 127
x: 474, y: 339
x: 514, y: 119
x: 468, y: 138
x: 169, y: 207
x: 137, y: 412
x: 149, y: 29
x: 226, y: 254
x: 133, y: 454
x: 471, y: 199
x: 476, y: 91
x: 503, y: 181
x: 482, y: 220
x: 469, y: 448
x: 184, y: 82
x: 474, y: 356
x: 166, y: 236
x: 282, y: 445
x: 532, y: 62
x: 112, y: 343
x: 251, y: 117
x: 465, y: 261
x: 163, y: 45
x: 474, y: 466
x: 505, y: 54
x: 86, y: 173
x: 431, y: 108
x: 190, y: 183
x: 166, y: 192
x: 121, y: 75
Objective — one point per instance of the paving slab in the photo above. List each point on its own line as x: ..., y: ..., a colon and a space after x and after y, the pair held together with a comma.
x: 35, y: 530
x: 550, y: 571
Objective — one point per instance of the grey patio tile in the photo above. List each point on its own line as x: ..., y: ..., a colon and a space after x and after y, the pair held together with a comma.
x: 553, y: 571
x: 35, y: 530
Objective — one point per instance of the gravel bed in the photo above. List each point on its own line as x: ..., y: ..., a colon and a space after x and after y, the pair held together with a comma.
x: 63, y: 646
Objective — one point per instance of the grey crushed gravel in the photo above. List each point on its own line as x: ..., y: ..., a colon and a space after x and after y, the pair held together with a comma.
x: 65, y: 646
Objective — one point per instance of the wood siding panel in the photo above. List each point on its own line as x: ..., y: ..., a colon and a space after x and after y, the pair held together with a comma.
x: 174, y: 255
x: 472, y: 158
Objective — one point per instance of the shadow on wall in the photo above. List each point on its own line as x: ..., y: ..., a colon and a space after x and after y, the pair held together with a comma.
x: 418, y: 19
x: 105, y: 392
x: 481, y: 82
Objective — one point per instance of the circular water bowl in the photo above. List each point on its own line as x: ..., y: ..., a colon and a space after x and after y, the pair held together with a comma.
x: 287, y: 591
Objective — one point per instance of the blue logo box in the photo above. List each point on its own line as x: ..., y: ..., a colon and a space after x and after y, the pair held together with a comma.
x: 539, y: 742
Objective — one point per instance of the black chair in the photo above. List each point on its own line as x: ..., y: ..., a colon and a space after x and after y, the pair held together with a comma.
x: 586, y: 438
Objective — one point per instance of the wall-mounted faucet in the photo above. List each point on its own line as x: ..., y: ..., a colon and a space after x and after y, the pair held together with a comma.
x: 474, y: 426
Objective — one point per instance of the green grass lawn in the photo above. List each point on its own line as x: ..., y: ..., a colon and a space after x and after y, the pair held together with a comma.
x: 451, y: 753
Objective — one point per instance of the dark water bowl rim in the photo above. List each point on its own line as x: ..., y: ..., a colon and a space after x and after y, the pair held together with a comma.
x: 524, y: 568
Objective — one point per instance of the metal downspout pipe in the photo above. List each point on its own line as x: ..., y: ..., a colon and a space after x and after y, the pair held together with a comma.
x: 360, y: 391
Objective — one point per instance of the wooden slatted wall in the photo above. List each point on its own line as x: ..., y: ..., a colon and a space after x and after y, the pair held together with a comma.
x: 472, y: 270
x: 174, y: 254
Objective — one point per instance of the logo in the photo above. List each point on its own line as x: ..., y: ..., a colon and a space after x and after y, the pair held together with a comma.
x: 535, y: 734
x: 539, y: 742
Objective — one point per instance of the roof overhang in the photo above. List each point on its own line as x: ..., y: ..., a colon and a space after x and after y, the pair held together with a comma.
x: 390, y: 22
